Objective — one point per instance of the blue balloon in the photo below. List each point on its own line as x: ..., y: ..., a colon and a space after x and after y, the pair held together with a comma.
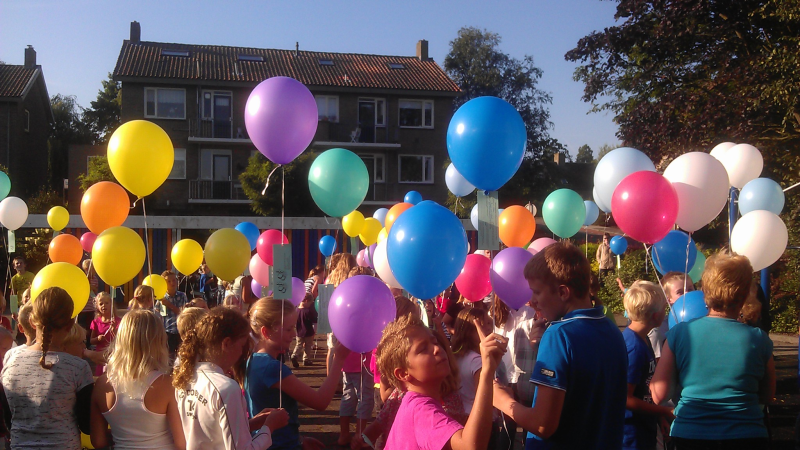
x: 250, y: 231
x: 327, y: 245
x: 613, y: 168
x: 412, y: 197
x: 689, y: 306
x: 380, y: 215
x: 761, y: 193
x: 426, y: 249
x: 592, y: 213
x: 618, y: 245
x: 669, y: 254
x: 486, y: 141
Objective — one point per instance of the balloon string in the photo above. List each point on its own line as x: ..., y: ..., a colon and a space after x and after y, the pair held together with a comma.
x: 283, y: 196
x: 266, y: 186
x: 280, y: 366
x: 649, y: 254
x: 146, y: 240
x: 686, y: 266
x: 8, y: 262
x: 791, y: 187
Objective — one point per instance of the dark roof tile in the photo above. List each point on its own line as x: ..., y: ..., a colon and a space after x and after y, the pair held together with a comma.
x: 14, y: 79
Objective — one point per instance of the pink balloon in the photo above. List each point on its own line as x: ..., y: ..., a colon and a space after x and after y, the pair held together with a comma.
x: 361, y: 259
x: 87, y: 241
x: 265, y: 243
x: 473, y: 281
x: 537, y: 245
x: 259, y: 270
x: 645, y: 206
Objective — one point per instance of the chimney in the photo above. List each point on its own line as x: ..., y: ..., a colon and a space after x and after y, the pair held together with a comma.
x: 30, y: 57
x: 136, y: 32
x: 559, y: 158
x: 422, y: 50
x: 296, y: 49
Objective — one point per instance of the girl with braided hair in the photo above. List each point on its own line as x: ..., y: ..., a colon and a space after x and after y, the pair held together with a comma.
x: 48, y: 390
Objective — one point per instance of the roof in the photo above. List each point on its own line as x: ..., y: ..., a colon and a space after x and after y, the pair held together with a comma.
x: 15, y: 79
x: 224, y: 64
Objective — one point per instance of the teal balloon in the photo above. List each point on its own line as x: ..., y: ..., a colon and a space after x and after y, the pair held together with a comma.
x: 564, y: 212
x: 697, y: 269
x: 338, y: 181
x: 5, y: 185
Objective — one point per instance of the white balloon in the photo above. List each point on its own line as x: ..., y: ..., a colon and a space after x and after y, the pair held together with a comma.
x: 761, y: 236
x: 456, y: 183
x: 13, y: 212
x: 743, y: 163
x: 720, y: 149
x: 382, y: 266
x: 701, y: 183
x: 599, y: 203
x: 473, y: 216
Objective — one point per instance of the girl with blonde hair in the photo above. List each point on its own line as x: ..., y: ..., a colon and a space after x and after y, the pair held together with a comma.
x: 143, y: 298
x: 135, y: 396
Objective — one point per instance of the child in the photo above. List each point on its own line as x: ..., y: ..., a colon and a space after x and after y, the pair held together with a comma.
x: 412, y: 359
x: 210, y: 404
x: 208, y: 284
x: 103, y: 327
x: 306, y: 319
x: 581, y: 365
x: 269, y: 383
x: 5, y: 322
x: 142, y: 298
x: 188, y: 319
x: 315, y: 278
x: 6, y: 341
x: 673, y: 283
x: 466, y: 347
x: 25, y: 328
x: 75, y: 342
x: 135, y: 396
x: 645, y: 303
x: 64, y: 380
x: 233, y: 302
x: 169, y: 307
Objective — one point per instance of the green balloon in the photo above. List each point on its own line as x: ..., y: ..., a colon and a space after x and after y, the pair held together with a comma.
x: 5, y: 185
x: 564, y: 212
x: 697, y: 269
x: 338, y: 181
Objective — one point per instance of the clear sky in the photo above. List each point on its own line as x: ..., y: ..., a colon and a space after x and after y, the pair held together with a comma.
x: 78, y: 41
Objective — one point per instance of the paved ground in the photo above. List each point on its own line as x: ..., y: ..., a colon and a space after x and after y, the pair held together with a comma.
x: 325, y: 425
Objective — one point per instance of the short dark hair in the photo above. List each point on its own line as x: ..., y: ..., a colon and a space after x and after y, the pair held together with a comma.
x: 561, y: 264
x: 20, y: 259
x: 606, y: 236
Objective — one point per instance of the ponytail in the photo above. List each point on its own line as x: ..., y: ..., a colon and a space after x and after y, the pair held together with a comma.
x: 52, y: 310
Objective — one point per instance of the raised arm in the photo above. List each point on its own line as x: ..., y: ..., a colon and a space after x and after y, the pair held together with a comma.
x: 317, y: 399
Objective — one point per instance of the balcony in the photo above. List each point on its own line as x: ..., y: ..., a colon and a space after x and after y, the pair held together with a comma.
x: 210, y: 191
x: 212, y: 131
x: 337, y: 134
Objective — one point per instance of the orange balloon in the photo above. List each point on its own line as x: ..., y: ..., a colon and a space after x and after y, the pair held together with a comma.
x: 517, y: 226
x: 394, y: 213
x: 65, y: 248
x: 104, y: 205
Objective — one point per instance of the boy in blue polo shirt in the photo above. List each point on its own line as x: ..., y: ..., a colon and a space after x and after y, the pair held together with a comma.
x: 581, y: 368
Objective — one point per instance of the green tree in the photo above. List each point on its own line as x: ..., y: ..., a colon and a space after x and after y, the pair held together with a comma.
x: 68, y: 128
x: 98, y: 170
x: 103, y: 115
x: 298, y: 201
x: 584, y: 154
x: 604, y: 149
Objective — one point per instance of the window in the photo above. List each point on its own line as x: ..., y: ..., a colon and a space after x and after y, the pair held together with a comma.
x: 397, y: 66
x: 163, y: 103
x: 179, y: 166
x: 325, y: 62
x: 416, y: 113
x: 327, y: 107
x: 375, y: 167
x: 255, y: 58
x: 215, y: 165
x: 182, y: 53
x: 27, y: 119
x: 415, y: 168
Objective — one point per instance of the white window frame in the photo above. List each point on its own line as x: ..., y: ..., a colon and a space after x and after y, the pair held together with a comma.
x: 212, y: 152
x: 423, y: 103
x: 429, y: 159
x: 378, y: 159
x: 380, y: 105
x: 155, y: 97
x: 180, y: 156
x: 327, y: 99
x: 203, y: 102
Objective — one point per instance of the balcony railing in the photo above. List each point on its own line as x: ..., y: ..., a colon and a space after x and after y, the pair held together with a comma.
x: 215, y: 190
x: 215, y: 129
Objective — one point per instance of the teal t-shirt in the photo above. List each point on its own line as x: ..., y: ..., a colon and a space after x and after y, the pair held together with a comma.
x: 720, y: 363
x: 263, y: 373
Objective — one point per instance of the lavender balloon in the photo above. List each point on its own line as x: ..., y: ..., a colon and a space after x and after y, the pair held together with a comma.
x: 359, y: 310
x: 539, y: 244
x: 281, y: 118
x: 507, y: 277
x: 256, y: 288
x: 298, y: 291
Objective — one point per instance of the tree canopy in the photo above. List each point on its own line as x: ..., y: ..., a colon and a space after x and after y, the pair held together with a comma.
x: 103, y: 115
x: 584, y: 154
x: 298, y: 201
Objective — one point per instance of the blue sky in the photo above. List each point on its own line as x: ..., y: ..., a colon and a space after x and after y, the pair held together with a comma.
x: 78, y: 41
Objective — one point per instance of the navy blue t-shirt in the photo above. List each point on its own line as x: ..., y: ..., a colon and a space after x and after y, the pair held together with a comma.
x: 640, y: 429
x: 584, y: 355
x: 261, y: 375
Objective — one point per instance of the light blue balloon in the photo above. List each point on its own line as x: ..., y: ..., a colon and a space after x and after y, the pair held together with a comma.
x: 380, y: 215
x: 338, y: 181
x: 250, y: 231
x: 564, y: 212
x: 761, y: 193
x: 5, y: 185
x: 412, y: 197
x: 592, y: 212
x: 456, y: 183
x: 599, y: 203
x: 616, y: 165
x: 486, y: 141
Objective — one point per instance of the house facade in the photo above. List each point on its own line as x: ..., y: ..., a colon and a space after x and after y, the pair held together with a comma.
x: 393, y: 111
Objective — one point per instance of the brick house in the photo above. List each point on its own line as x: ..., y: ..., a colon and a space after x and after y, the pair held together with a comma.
x: 393, y: 111
x: 25, y: 122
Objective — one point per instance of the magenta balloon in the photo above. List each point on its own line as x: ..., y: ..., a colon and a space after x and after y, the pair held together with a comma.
x: 359, y: 310
x: 87, y: 241
x: 537, y: 245
x: 256, y: 288
x: 473, y: 281
x: 281, y: 118
x: 298, y: 291
x: 508, y: 279
x: 259, y: 270
x: 645, y: 206
x: 265, y: 243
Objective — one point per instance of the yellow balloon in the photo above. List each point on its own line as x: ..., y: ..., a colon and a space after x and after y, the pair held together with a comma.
x: 140, y: 155
x: 86, y: 442
x: 369, y: 232
x: 158, y: 283
x: 57, y: 218
x: 66, y: 276
x: 118, y: 255
x: 227, y: 253
x: 187, y: 255
x: 353, y: 223
x: 383, y: 235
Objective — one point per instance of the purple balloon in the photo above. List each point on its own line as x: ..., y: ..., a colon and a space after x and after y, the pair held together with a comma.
x: 359, y: 310
x: 256, y: 288
x: 298, y: 291
x: 537, y: 245
x: 281, y: 118
x: 507, y: 277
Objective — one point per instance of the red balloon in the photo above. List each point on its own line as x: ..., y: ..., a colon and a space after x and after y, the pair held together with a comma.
x: 473, y: 282
x: 87, y: 241
x: 645, y: 206
x: 265, y: 243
